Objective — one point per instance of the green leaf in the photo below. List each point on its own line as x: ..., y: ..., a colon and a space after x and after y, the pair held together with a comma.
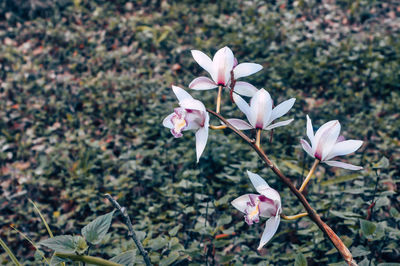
x: 174, y: 230
x: 224, y: 219
x: 172, y: 257
x: 300, y: 260
x: 127, y: 258
x: 367, y: 227
x: 359, y: 251
x: 64, y: 243
x: 383, y: 163
x: 340, y: 179
x: 97, y: 229
x: 55, y: 261
x: 81, y: 245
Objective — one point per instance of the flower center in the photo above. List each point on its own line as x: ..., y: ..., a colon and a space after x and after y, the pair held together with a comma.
x: 252, y: 212
x: 179, y: 122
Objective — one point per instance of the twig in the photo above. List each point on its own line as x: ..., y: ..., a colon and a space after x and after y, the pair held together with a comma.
x: 128, y: 223
x: 336, y: 241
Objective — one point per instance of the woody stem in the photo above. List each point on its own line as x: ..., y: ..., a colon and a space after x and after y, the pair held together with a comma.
x: 312, y: 170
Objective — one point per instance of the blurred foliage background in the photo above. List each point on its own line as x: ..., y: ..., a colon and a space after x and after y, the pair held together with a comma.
x: 85, y: 85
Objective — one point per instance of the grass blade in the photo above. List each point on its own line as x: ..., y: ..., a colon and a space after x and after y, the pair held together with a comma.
x: 9, y: 252
x: 42, y: 217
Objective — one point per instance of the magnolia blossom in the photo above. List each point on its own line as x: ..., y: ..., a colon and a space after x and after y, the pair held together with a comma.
x: 191, y: 115
x: 266, y: 204
x: 221, y: 69
x: 327, y: 144
x: 260, y: 112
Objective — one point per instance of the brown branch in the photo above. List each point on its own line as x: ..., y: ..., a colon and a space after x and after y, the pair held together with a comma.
x: 336, y: 241
x: 131, y: 233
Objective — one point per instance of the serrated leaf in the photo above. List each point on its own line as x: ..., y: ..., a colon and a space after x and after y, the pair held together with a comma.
x: 97, y: 229
x: 367, y: 227
x: 300, y: 260
x: 64, y: 243
x: 127, y: 258
x: 359, y: 251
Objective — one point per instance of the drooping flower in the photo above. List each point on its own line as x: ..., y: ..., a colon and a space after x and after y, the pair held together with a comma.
x: 267, y: 204
x: 260, y: 112
x: 191, y: 115
x: 327, y: 144
x: 221, y: 69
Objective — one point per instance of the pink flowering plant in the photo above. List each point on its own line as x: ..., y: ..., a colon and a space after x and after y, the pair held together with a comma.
x: 262, y: 114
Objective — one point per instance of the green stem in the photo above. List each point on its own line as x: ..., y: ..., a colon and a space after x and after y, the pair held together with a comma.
x: 9, y: 252
x: 88, y: 259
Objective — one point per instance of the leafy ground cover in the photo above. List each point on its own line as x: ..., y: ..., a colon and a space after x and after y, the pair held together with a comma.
x: 85, y: 85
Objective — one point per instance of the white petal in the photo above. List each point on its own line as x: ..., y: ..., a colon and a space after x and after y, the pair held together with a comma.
x: 325, y: 137
x: 258, y: 182
x: 181, y: 94
x: 260, y: 109
x: 202, y: 83
x: 310, y: 131
x: 203, y: 60
x: 246, y: 69
x: 222, y: 65
x: 271, y: 226
x: 201, y: 141
x: 306, y: 147
x: 240, y: 203
x: 239, y: 124
x: 344, y: 148
x: 245, y: 89
x: 328, y: 139
x: 242, y: 104
x: 343, y: 165
x: 282, y: 109
x: 167, y: 121
x: 279, y: 124
x: 192, y: 104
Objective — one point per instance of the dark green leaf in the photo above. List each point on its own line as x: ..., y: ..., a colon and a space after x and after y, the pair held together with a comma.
x: 97, y: 229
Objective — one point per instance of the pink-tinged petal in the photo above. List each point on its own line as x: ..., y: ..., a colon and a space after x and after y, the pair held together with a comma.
x: 181, y: 94
x: 306, y: 147
x: 260, y: 109
x: 246, y: 69
x: 203, y: 60
x: 235, y: 62
x: 239, y: 124
x: 245, y: 89
x: 343, y: 165
x: 202, y: 83
x: 279, y: 124
x: 258, y: 182
x: 267, y: 207
x: 263, y: 188
x: 201, y: 141
x: 310, y: 131
x: 328, y: 139
x: 222, y: 66
x: 344, y: 148
x: 325, y: 138
x: 271, y: 226
x: 282, y: 108
x: 192, y: 104
x: 242, y: 104
x: 240, y: 203
x: 340, y: 139
x: 167, y: 121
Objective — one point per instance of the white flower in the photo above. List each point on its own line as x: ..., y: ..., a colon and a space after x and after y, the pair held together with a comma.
x: 266, y: 204
x: 191, y: 115
x: 260, y: 112
x: 221, y: 69
x: 327, y: 144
